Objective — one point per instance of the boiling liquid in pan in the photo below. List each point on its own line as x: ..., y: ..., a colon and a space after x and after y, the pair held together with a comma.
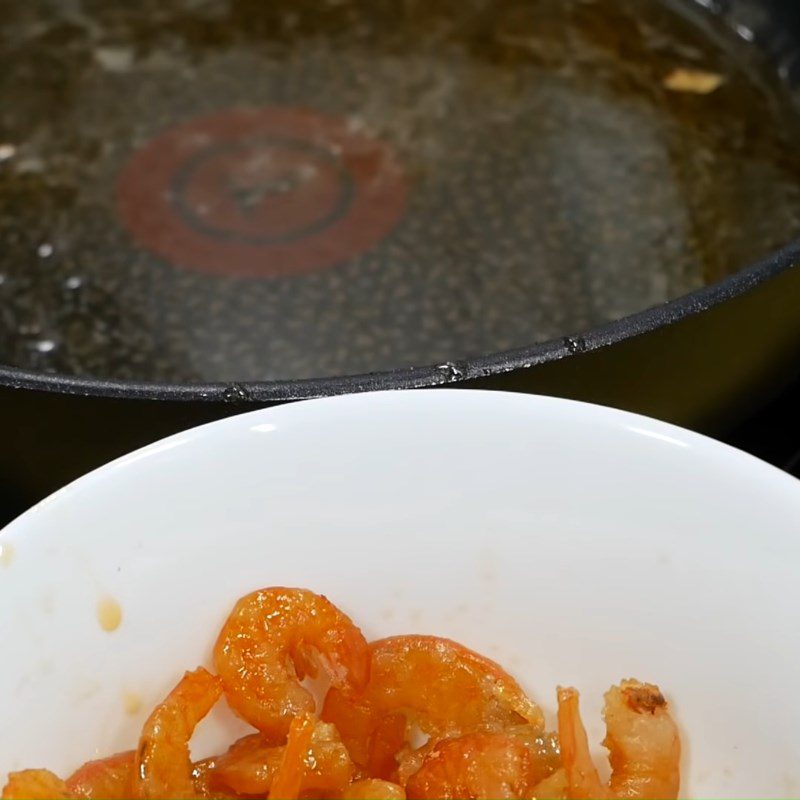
x: 266, y: 189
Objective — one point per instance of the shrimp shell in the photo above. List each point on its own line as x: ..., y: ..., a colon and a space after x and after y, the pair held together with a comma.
x: 439, y: 685
x: 105, y: 778
x: 250, y: 765
x: 477, y: 766
x: 162, y: 766
x: 289, y: 776
x: 642, y: 740
x: 267, y: 646
x: 34, y: 784
x: 373, y: 789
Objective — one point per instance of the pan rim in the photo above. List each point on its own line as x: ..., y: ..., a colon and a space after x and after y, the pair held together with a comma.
x: 432, y: 375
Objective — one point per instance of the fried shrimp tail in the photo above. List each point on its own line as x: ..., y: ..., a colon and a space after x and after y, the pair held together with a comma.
x: 289, y: 777
x: 162, y: 766
x: 583, y: 780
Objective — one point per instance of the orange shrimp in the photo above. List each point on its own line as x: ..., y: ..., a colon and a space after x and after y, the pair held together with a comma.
x: 201, y: 777
x: 265, y: 648
x: 388, y: 739
x: 162, y: 765
x: 250, y: 765
x: 437, y: 684
x: 35, y: 784
x: 247, y: 767
x: 553, y: 787
x: 409, y: 761
x: 543, y: 749
x: 329, y: 768
x: 289, y: 776
x: 477, y: 766
x: 642, y: 740
x: 356, y: 721
x: 106, y: 778
x: 373, y: 789
x: 582, y: 778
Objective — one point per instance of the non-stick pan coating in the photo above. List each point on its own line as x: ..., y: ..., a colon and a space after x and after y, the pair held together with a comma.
x: 243, y: 196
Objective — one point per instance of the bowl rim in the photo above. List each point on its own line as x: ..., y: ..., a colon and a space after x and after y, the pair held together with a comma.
x: 642, y: 425
x: 450, y: 372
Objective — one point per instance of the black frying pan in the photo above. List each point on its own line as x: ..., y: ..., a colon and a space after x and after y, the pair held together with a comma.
x: 206, y: 207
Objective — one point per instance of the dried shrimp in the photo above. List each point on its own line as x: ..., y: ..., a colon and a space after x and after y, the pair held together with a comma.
x: 416, y: 717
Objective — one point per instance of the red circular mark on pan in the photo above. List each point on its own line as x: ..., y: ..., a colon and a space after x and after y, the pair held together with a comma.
x: 261, y: 192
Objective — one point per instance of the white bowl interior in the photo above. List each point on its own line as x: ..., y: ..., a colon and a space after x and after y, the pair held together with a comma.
x: 573, y: 544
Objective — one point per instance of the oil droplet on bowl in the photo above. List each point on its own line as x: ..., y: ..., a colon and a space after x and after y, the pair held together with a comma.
x: 109, y: 614
x: 6, y: 555
x: 132, y: 703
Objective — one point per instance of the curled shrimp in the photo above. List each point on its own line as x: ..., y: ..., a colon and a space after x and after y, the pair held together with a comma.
x: 544, y: 754
x: 373, y: 789
x: 35, y: 784
x: 477, y: 766
x: 642, y: 740
x: 481, y: 765
x: 105, y: 778
x: 265, y: 649
x: 250, y: 766
x: 440, y: 686
x: 162, y: 764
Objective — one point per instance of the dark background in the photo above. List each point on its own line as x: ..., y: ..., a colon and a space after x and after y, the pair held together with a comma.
x: 774, y: 433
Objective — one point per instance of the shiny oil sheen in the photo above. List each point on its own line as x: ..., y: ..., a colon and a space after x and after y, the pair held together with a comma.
x: 540, y: 176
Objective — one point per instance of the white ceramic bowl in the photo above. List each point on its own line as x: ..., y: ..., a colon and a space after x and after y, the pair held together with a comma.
x: 574, y: 544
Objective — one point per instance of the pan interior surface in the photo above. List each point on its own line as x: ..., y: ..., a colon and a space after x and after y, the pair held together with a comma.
x: 240, y: 190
